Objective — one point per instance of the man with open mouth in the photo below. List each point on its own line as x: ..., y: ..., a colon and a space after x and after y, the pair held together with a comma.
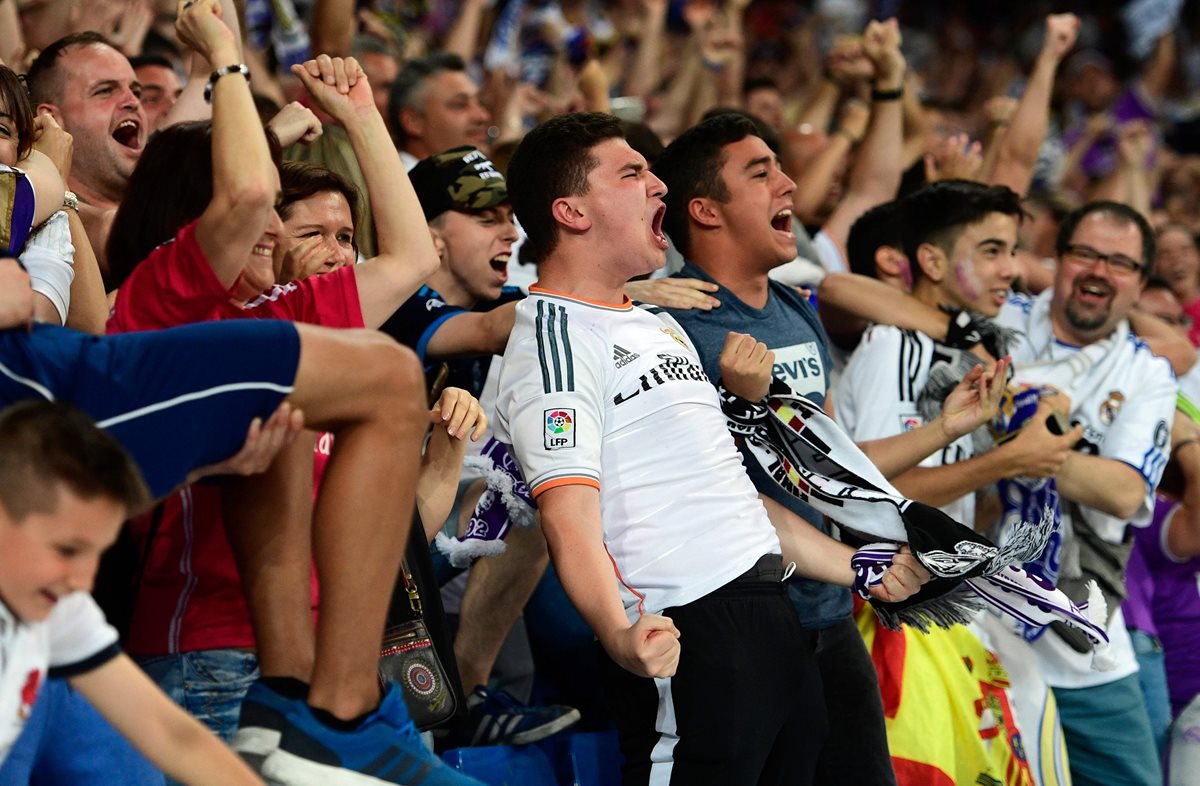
x: 92, y: 92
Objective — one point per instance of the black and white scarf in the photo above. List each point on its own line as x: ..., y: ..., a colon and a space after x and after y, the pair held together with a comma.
x: 811, y: 458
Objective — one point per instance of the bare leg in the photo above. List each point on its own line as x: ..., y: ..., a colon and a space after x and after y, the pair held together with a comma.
x: 367, y: 390
x: 268, y: 519
x: 497, y: 590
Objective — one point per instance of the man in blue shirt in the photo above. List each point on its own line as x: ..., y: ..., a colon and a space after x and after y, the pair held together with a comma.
x: 729, y: 211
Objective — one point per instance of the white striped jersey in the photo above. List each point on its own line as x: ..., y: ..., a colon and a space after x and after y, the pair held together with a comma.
x: 615, y: 397
x: 877, y: 397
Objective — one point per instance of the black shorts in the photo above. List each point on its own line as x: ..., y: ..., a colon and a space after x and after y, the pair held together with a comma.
x: 745, y: 706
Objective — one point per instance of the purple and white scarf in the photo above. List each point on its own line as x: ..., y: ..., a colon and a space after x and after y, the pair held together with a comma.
x: 505, y: 501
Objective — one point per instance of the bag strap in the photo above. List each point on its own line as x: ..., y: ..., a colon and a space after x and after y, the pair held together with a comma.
x: 410, y: 589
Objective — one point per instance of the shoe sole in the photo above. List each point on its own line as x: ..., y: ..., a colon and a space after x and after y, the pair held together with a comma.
x: 288, y: 769
x: 560, y: 723
x: 255, y: 744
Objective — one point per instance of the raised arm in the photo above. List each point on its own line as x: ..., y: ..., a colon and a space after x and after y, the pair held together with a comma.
x: 406, y: 255
x: 1018, y: 150
x: 646, y: 73
x: 245, y: 182
x: 876, y: 173
x: 463, y: 37
x: 191, y: 104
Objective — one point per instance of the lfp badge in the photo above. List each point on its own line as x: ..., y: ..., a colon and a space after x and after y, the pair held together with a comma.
x: 560, y: 428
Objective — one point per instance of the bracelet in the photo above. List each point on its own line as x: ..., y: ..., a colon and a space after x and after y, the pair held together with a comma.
x: 236, y: 68
x: 887, y: 95
x: 70, y: 201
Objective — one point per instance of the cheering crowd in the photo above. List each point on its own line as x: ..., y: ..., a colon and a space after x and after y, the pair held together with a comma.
x: 766, y: 391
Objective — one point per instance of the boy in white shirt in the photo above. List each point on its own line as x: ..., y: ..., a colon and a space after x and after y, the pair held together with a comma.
x: 65, y: 489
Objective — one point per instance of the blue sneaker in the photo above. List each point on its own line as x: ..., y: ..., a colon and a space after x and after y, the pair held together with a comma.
x: 385, y: 749
x: 261, y: 722
x: 494, y: 717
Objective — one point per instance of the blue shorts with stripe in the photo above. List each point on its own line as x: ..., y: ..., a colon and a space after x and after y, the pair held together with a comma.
x: 176, y: 399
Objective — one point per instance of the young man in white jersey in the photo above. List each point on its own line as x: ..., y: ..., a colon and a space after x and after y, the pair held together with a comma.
x: 65, y: 489
x: 656, y: 532
x: 962, y: 236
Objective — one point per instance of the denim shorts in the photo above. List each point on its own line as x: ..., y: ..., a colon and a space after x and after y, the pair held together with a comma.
x: 209, y: 684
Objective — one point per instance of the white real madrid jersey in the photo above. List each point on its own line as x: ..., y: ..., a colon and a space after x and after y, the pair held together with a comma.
x: 615, y: 397
x: 1125, y: 403
x: 877, y: 398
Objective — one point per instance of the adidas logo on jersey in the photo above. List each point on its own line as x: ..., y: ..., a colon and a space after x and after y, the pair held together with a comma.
x: 623, y: 357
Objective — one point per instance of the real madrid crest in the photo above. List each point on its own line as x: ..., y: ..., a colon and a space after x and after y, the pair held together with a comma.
x: 1111, y: 406
x: 671, y: 332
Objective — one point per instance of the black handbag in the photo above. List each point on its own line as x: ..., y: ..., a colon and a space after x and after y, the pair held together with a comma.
x: 408, y: 658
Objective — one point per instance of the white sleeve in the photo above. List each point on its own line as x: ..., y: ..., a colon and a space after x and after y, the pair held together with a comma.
x: 1141, y: 433
x: 49, y: 256
x: 869, y: 404
x: 551, y: 407
x: 80, y: 638
x: 830, y: 257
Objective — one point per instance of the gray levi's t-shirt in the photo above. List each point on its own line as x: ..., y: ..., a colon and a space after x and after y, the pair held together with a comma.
x: 788, y: 325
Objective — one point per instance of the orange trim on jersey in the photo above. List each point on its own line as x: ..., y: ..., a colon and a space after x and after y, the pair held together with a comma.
x: 641, y: 598
x: 624, y: 305
x: 572, y: 480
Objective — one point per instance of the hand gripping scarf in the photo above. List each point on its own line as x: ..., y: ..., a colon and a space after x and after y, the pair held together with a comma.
x: 810, y: 457
x: 505, y: 501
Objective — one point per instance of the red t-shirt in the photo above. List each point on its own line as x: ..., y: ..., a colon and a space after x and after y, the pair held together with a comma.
x: 190, y: 595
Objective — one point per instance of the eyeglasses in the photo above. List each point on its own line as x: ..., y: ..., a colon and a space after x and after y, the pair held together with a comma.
x: 1118, y: 263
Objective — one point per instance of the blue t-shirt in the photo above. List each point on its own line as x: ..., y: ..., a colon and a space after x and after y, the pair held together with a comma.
x: 788, y: 325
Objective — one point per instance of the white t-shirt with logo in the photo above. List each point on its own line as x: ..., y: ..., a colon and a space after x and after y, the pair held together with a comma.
x: 73, y: 640
x: 615, y: 397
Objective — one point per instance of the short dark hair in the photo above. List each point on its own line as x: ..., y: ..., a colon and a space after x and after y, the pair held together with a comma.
x: 300, y: 180
x: 882, y: 225
x: 554, y: 161
x: 1123, y: 214
x: 162, y: 61
x: 1158, y: 282
x: 939, y: 212
x: 44, y: 84
x: 691, y: 168
x: 406, y: 89
x: 43, y: 443
x: 759, y: 83
x: 158, y: 201
x: 761, y: 129
x: 15, y: 101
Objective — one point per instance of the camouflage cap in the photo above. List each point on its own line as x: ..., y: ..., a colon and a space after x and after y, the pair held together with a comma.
x: 462, y: 178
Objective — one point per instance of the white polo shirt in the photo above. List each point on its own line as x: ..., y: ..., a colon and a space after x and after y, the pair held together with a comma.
x: 73, y: 640
x: 615, y: 397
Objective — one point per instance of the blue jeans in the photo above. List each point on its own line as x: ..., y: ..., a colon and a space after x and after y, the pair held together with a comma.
x: 209, y: 684
x: 1152, y: 675
x: 67, y: 743
x: 1108, y: 736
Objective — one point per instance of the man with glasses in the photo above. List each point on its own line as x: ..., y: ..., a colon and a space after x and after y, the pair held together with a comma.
x: 1076, y: 337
